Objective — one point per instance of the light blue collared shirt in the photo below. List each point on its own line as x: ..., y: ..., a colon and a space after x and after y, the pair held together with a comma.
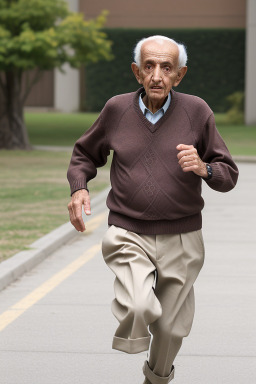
x: 154, y: 117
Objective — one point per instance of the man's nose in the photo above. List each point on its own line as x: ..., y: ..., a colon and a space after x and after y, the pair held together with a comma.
x: 156, y: 76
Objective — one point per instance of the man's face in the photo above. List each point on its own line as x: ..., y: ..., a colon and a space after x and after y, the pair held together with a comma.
x: 159, y: 70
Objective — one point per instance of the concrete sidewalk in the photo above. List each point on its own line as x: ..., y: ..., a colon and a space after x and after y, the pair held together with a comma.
x: 57, y: 325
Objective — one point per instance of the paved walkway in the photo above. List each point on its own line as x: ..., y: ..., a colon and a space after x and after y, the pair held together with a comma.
x: 56, y: 325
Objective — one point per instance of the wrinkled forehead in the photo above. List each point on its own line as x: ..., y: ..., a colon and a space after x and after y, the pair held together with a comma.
x: 160, y: 51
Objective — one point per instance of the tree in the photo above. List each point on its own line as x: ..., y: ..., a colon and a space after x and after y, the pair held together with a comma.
x: 40, y: 35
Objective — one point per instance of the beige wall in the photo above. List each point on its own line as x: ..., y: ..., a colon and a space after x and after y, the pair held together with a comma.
x: 67, y: 85
x: 250, y: 86
x: 55, y: 89
x: 42, y: 92
x: 169, y: 13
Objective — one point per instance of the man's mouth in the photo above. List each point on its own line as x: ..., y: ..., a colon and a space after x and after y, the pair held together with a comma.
x: 156, y: 87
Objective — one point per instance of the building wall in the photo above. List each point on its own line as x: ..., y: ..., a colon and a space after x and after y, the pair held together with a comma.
x: 169, y: 13
x: 42, y: 92
x: 55, y: 89
x: 136, y: 14
x: 250, y: 88
x: 67, y: 85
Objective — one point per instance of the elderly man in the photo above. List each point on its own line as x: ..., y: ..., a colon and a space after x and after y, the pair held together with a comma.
x: 165, y: 143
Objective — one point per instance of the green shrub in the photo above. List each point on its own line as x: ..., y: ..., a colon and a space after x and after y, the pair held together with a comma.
x: 235, y: 113
x: 215, y: 65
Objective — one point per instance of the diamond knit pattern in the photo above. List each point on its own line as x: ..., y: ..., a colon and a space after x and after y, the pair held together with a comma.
x: 150, y: 192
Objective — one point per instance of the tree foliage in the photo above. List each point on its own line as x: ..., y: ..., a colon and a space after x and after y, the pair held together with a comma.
x: 45, y: 34
x: 41, y: 34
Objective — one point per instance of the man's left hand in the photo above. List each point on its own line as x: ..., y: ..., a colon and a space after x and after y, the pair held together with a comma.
x: 189, y: 160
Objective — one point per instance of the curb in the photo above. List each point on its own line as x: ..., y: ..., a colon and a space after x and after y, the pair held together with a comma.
x: 244, y: 159
x: 14, y: 267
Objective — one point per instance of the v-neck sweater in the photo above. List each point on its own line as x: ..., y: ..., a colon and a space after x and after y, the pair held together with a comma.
x: 150, y: 193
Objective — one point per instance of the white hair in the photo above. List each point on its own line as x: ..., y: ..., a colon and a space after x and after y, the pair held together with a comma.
x: 182, y: 50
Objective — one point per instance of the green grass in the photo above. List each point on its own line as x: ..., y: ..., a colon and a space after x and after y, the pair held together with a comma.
x: 64, y: 129
x: 57, y: 128
x: 240, y: 139
x: 34, y: 195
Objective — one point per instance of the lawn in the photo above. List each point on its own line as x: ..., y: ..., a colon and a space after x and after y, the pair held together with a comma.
x: 57, y: 128
x: 34, y: 195
x: 64, y: 129
x: 240, y: 139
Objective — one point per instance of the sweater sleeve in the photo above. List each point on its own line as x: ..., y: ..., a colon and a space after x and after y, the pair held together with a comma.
x: 89, y: 153
x: 213, y: 151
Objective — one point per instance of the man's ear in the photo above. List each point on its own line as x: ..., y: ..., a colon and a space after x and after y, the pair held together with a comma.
x: 181, y: 73
x: 136, y: 72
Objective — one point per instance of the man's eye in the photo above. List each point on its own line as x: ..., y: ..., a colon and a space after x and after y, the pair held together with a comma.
x: 167, y: 69
x: 148, y: 67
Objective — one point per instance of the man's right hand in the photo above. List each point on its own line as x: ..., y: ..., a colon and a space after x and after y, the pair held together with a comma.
x: 79, y: 198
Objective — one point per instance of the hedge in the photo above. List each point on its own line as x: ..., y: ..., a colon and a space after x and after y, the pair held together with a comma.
x: 216, y: 61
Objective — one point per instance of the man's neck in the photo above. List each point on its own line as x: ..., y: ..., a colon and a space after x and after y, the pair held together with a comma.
x: 153, y: 107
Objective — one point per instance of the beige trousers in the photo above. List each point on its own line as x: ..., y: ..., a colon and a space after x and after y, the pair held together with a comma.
x: 153, y: 292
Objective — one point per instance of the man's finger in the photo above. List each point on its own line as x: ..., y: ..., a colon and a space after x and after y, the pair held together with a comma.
x: 187, y: 152
x: 70, y: 211
x: 182, y: 147
x: 87, y: 205
x: 187, y: 164
x: 71, y: 216
x: 188, y: 158
x: 190, y: 168
x: 79, y: 224
x: 77, y: 216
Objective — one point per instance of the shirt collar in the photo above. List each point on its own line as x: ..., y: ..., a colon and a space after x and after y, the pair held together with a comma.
x: 163, y: 108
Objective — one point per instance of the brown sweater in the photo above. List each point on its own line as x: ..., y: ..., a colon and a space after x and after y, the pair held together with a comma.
x: 150, y: 193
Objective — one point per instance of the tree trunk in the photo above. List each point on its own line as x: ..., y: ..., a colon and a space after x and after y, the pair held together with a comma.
x: 13, y: 132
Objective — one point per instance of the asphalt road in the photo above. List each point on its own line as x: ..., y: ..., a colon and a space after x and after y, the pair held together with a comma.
x: 56, y: 325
